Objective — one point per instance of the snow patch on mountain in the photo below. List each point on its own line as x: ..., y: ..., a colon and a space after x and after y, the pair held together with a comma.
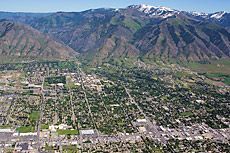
x: 217, y: 15
x: 199, y: 14
x: 163, y: 12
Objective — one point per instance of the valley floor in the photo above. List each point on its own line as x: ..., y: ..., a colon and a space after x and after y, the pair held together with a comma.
x: 69, y: 107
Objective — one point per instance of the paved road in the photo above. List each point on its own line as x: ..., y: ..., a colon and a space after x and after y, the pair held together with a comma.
x: 41, y: 114
x: 72, y: 108
x: 86, y: 100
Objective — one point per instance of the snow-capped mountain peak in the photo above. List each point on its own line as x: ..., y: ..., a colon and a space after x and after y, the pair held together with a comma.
x: 165, y: 12
x: 152, y: 11
x: 166, y: 9
x: 144, y: 7
x: 199, y: 14
x: 217, y: 15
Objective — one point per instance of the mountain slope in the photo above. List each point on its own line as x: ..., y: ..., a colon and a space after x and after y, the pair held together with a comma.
x: 140, y: 31
x: 22, y: 17
x: 180, y: 39
x: 221, y: 18
x: 20, y: 40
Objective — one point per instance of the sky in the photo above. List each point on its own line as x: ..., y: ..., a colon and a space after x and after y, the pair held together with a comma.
x: 206, y: 6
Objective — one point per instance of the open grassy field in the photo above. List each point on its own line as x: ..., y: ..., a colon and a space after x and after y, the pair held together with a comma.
x: 5, y: 126
x: 215, y: 70
x: 67, y: 132
x: 25, y: 129
x: 218, y: 66
x: 225, y: 78
x: 34, y: 116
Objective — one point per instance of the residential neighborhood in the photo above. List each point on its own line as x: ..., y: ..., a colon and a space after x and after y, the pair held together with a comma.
x: 61, y: 106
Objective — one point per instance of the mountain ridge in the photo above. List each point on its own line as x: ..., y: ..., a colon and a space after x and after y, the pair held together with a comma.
x: 139, y: 31
x: 21, y: 40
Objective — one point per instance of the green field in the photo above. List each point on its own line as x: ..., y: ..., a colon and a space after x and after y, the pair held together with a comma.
x: 44, y: 126
x: 25, y: 129
x: 70, y: 149
x: 34, y: 116
x: 222, y: 77
x: 218, y: 70
x: 67, y: 132
x: 5, y: 126
x: 218, y: 66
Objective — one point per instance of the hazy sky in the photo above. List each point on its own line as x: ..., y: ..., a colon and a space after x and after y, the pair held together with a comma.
x: 79, y: 5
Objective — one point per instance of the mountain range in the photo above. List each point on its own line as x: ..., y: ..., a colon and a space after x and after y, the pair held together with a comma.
x: 139, y: 31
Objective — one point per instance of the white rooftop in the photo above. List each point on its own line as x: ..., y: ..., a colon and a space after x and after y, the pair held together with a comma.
x: 87, y: 132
